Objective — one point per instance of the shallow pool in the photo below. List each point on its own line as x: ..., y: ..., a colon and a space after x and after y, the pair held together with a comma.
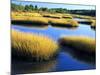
x: 65, y: 61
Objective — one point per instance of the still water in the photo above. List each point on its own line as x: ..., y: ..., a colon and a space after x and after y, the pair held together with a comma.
x: 65, y: 61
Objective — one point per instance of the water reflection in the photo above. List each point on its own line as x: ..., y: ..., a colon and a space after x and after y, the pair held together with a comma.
x: 20, y: 67
x: 57, y: 32
x: 70, y: 28
x: 80, y: 19
x: 88, y: 58
x: 33, y: 26
x: 93, y: 28
x: 68, y: 59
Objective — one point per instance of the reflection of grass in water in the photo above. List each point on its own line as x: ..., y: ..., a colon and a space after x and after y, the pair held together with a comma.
x: 80, y: 56
x: 40, y: 28
x: 87, y: 22
x: 64, y: 28
x: 34, y: 27
x: 32, y: 67
x: 29, y: 46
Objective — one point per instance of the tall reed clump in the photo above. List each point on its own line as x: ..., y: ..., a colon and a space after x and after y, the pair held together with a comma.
x: 79, y: 43
x: 32, y: 46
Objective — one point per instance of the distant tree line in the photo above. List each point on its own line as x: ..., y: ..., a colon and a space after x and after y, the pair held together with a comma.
x: 84, y: 12
x: 30, y: 8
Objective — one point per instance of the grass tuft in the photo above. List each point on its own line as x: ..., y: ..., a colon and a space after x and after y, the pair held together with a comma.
x: 30, y: 46
x: 80, y: 43
x: 93, y: 24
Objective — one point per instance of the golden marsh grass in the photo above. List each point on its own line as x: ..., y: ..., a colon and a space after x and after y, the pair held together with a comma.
x: 83, y: 17
x: 31, y: 14
x: 31, y: 20
x: 93, y: 24
x: 80, y: 43
x: 53, y: 19
x: 32, y: 46
x: 48, y: 15
x: 28, y: 18
x: 67, y: 16
x: 63, y: 22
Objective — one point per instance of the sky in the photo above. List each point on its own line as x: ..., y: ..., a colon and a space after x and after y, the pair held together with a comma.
x: 55, y: 5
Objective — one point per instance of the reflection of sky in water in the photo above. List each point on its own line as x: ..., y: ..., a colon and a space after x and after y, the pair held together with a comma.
x: 64, y: 60
x: 78, y: 19
x: 55, y: 33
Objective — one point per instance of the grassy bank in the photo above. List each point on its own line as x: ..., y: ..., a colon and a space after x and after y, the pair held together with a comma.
x: 49, y: 15
x: 87, y: 22
x: 90, y: 22
x: 79, y: 43
x: 29, y: 46
x: 83, y: 16
x: 29, y: 14
x: 30, y: 20
x: 63, y: 22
